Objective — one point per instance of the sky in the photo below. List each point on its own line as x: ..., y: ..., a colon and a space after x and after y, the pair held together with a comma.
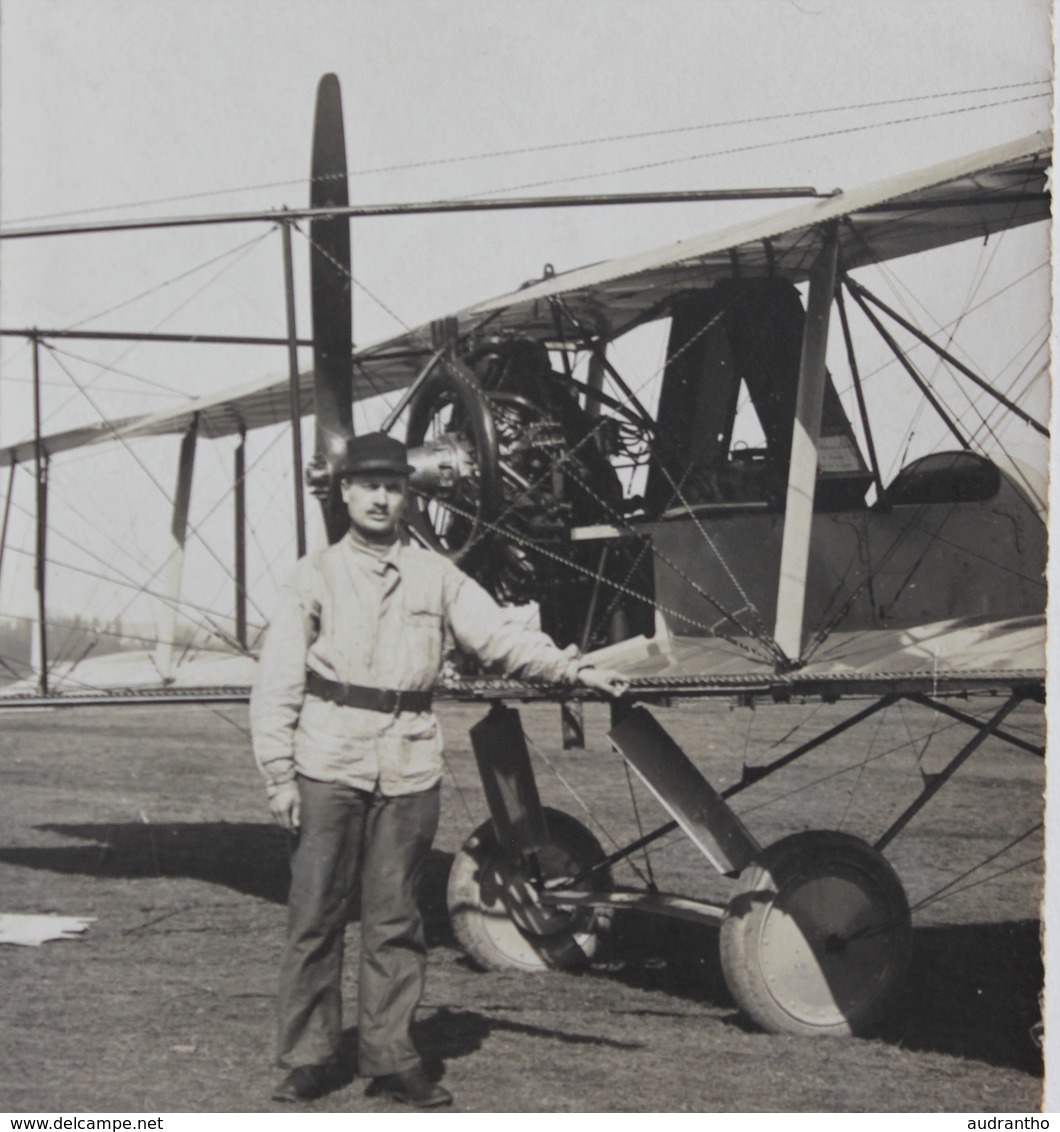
x: 186, y: 105
x: 119, y: 108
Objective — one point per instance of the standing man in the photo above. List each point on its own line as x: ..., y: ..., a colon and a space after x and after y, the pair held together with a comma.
x: 351, y: 755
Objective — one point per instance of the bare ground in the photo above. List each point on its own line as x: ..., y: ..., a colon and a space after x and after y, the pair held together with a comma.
x: 152, y: 821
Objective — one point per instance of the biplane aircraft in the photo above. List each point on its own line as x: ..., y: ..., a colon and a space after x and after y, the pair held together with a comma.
x: 699, y: 559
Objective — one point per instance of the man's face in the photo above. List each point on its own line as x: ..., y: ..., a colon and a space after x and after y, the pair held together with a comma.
x: 375, y: 501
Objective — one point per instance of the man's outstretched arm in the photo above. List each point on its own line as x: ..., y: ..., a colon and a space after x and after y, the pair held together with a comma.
x: 484, y: 629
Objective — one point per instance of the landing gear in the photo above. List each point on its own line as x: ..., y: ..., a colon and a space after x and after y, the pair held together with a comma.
x: 495, y: 910
x: 816, y: 936
x: 813, y: 941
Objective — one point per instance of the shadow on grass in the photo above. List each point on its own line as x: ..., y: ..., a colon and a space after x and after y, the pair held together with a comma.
x: 251, y: 858
x: 447, y: 1034
x: 971, y: 990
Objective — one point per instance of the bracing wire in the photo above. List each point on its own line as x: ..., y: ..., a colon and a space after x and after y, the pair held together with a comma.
x: 572, y: 791
x: 949, y: 889
x: 239, y: 251
x: 556, y: 146
x: 251, y: 527
x: 246, y: 245
x: 833, y: 774
x: 565, y: 459
x: 82, y: 388
x: 195, y: 529
x: 729, y: 151
x: 192, y: 530
x: 139, y: 586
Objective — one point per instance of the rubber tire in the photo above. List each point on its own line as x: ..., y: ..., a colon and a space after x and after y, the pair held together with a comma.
x: 481, y: 914
x: 782, y: 949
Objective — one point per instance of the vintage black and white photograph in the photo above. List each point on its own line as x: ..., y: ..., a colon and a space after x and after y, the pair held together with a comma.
x: 523, y: 545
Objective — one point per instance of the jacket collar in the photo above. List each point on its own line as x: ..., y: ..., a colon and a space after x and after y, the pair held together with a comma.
x: 379, y: 555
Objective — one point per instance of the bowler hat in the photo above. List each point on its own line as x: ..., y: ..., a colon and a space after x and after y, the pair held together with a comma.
x: 373, y: 452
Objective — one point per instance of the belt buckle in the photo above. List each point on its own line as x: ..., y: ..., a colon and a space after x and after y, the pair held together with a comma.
x: 391, y: 701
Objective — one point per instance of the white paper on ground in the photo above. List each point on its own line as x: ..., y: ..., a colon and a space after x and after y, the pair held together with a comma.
x: 31, y: 930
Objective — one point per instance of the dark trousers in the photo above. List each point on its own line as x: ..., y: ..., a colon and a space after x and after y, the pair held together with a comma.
x: 390, y: 838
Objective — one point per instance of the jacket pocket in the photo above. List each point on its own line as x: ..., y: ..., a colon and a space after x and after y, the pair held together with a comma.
x: 422, y: 641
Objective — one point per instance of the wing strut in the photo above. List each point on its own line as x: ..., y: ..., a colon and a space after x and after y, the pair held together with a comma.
x: 859, y: 392
x: 40, y: 459
x: 240, y: 492
x: 172, y: 575
x: 802, y: 472
x: 7, y: 512
x: 293, y: 395
x: 937, y: 781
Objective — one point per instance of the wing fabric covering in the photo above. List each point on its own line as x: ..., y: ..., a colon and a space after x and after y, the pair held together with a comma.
x: 968, y: 198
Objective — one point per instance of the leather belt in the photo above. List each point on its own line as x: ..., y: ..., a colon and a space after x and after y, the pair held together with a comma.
x: 387, y: 700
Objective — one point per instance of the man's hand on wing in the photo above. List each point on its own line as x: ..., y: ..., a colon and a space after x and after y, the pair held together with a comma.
x: 286, y: 807
x: 604, y: 680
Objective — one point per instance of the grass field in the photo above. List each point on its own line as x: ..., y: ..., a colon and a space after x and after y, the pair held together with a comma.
x: 152, y: 821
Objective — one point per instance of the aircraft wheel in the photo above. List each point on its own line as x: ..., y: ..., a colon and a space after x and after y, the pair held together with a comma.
x: 495, y: 911
x: 817, y: 935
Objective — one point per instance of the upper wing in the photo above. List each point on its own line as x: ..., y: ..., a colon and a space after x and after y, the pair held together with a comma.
x: 966, y: 198
x: 972, y: 197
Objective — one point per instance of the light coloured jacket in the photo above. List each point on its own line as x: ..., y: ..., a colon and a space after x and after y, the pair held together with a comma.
x: 383, y: 621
